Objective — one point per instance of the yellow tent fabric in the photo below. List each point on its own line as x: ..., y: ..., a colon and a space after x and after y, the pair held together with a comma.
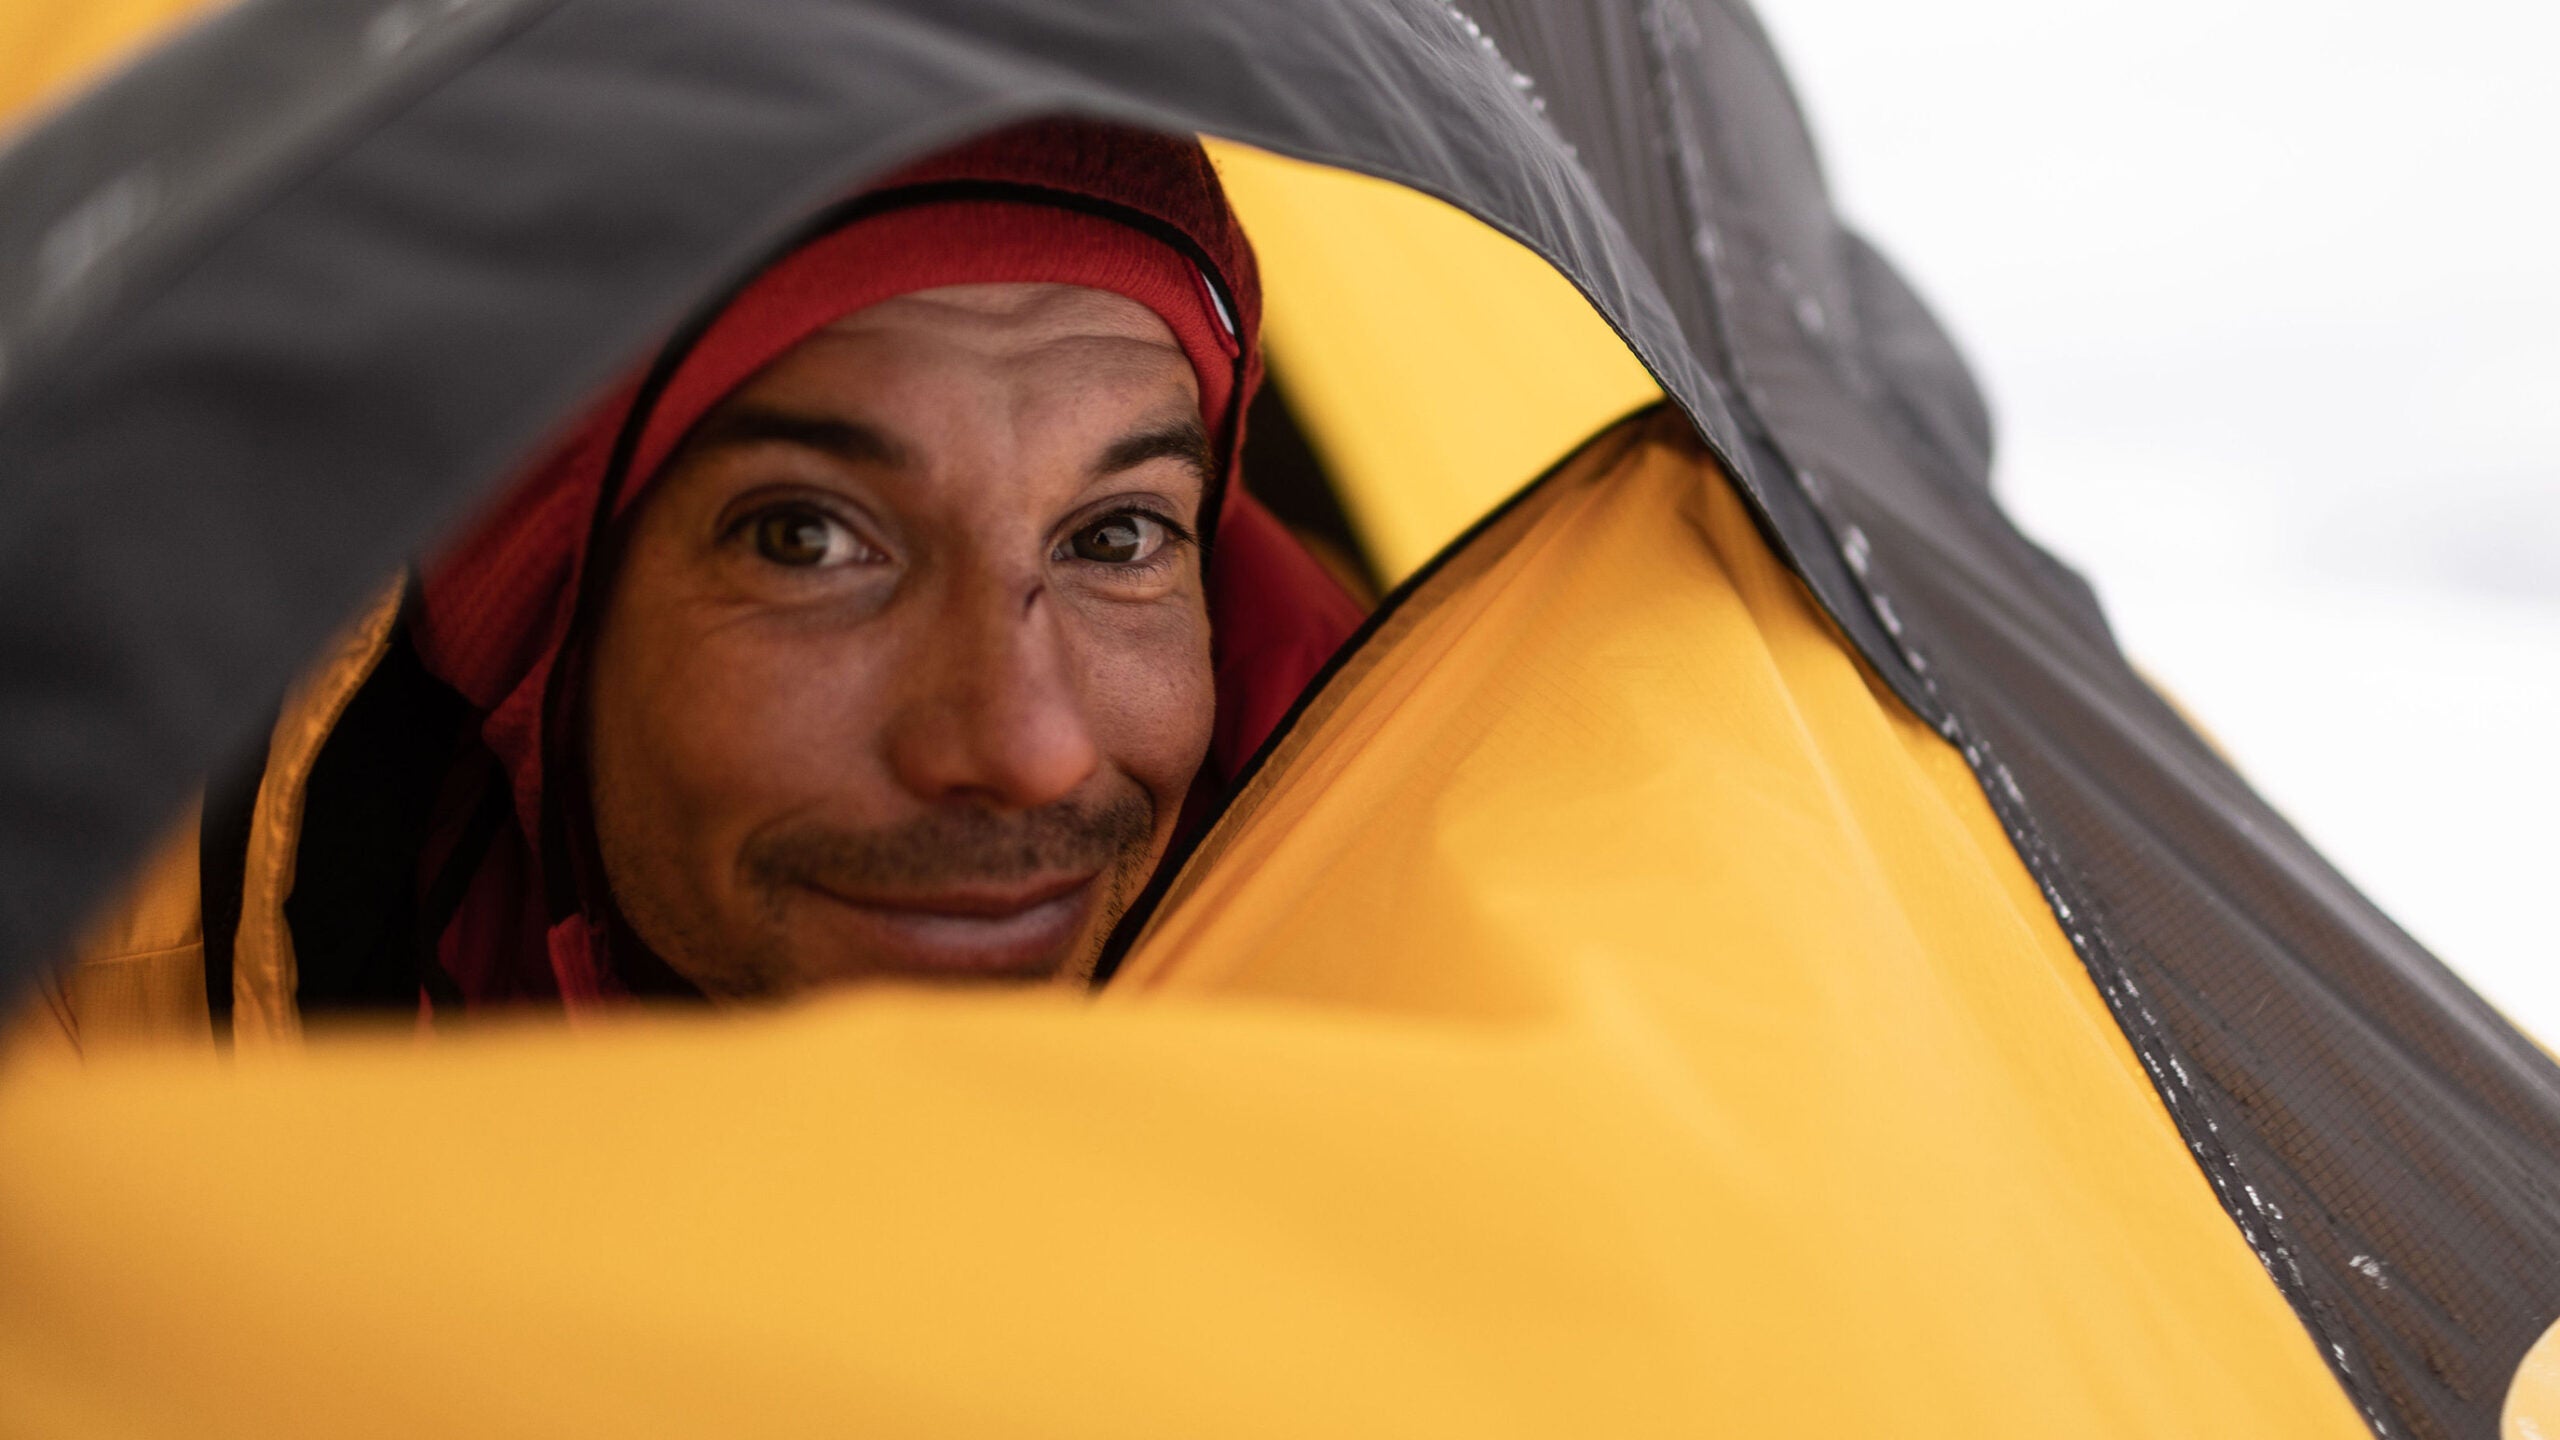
x: 1436, y: 367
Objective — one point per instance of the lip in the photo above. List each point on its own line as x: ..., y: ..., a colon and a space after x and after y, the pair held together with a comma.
x: 984, y: 931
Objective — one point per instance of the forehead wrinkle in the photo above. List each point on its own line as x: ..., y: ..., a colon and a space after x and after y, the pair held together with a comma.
x: 1014, y: 317
x: 1015, y: 353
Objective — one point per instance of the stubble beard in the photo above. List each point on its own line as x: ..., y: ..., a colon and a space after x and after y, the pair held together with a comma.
x: 783, y: 867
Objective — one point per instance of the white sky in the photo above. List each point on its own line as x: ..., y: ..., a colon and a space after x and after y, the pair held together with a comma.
x: 2267, y: 297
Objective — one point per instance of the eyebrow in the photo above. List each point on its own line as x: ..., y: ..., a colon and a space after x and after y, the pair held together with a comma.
x: 1181, y: 440
x: 847, y: 440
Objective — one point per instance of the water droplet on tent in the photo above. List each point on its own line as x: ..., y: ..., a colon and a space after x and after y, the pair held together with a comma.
x: 396, y: 27
x: 1853, y: 548
x: 72, y: 248
x: 392, y: 30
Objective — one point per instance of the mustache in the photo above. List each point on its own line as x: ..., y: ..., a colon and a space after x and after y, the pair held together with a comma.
x: 950, y: 847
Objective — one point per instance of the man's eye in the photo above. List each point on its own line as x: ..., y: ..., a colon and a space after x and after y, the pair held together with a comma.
x: 803, y: 538
x: 1123, y: 539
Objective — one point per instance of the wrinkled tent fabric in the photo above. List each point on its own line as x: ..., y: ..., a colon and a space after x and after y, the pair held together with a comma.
x: 282, y: 299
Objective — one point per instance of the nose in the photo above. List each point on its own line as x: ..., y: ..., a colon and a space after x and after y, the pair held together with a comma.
x: 990, y: 712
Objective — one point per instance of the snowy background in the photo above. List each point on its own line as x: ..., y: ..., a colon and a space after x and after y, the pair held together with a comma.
x: 2267, y: 297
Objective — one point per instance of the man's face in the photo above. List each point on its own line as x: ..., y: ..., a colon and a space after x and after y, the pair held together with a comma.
x: 905, y: 668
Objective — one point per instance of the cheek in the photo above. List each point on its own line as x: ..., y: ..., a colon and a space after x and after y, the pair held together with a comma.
x: 711, y: 721
x: 1154, y: 695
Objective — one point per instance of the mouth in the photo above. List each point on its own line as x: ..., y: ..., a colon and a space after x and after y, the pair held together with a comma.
x: 1009, y: 931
